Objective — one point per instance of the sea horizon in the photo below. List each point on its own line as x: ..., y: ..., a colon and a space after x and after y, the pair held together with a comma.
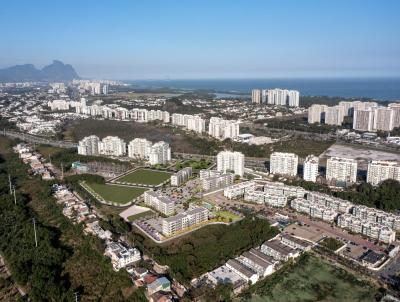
x: 379, y: 88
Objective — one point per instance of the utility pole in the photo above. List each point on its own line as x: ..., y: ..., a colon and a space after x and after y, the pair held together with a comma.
x: 76, y: 296
x: 15, y: 197
x: 34, y: 229
x: 62, y: 171
x: 9, y: 182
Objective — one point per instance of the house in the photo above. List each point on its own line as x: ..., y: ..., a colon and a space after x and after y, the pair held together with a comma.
x: 160, y: 284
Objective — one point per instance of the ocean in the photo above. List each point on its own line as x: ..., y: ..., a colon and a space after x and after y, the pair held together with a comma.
x: 387, y: 89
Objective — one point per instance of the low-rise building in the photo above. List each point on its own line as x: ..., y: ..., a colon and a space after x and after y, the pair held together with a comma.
x: 279, y: 251
x: 314, y: 210
x: 182, y: 221
x: 217, y: 182
x: 160, y: 203
x: 121, y: 255
x: 243, y: 271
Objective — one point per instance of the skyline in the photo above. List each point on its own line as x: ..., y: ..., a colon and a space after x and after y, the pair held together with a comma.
x: 206, y: 40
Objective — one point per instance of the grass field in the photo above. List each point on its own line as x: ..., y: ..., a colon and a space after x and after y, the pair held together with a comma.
x: 313, y: 280
x: 46, y: 150
x: 115, y: 194
x: 145, y: 177
x: 140, y: 215
x: 227, y: 215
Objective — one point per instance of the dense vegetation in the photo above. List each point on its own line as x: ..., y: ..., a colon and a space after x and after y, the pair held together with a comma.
x: 65, y: 261
x: 310, y: 279
x: 207, y: 248
x: 385, y: 196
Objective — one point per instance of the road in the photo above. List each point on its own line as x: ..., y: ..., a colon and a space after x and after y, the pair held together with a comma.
x: 38, y: 139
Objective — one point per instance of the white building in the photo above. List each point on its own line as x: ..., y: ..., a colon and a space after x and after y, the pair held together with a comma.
x: 363, y: 119
x: 121, y: 255
x: 284, y: 163
x: 160, y: 203
x: 182, y: 221
x: 112, y: 146
x: 89, y: 145
x: 315, y: 113
x: 223, y: 129
x: 181, y: 176
x: 230, y: 161
x: 283, y: 97
x: 379, y: 170
x: 310, y: 168
x: 59, y: 105
x: 383, y: 118
x: 217, y: 182
x: 341, y: 169
x: 256, y: 96
x: 160, y: 153
x: 139, y: 148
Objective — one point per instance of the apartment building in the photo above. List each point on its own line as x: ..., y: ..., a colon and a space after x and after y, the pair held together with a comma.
x: 243, y: 271
x: 190, y: 122
x: 363, y: 119
x: 160, y: 153
x: 295, y: 243
x: 158, y: 115
x: 310, y: 168
x: 58, y: 105
x: 284, y: 163
x: 283, y: 97
x: 315, y: 113
x: 278, y: 250
x: 223, y: 129
x: 160, y: 203
x: 336, y: 204
x: 380, y: 170
x: 112, y: 146
x: 209, y: 173
x: 383, y: 118
x: 89, y: 145
x: 256, y: 96
x: 279, y: 188
x: 182, y: 221
x: 396, y: 113
x: 341, y: 169
x: 139, y: 148
x: 262, y: 197
x: 372, y: 230
x: 239, y: 189
x: 230, y: 161
x: 217, y: 182
x: 377, y: 216
x: 181, y: 176
x: 121, y: 255
x: 334, y: 115
x: 313, y: 210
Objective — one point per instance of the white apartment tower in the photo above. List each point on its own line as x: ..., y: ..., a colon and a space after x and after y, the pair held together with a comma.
x: 315, y: 112
x: 89, y: 145
x: 139, y: 148
x: 160, y: 153
x: 113, y: 146
x: 230, y: 161
x: 383, y: 118
x: 256, y: 96
x: 284, y: 163
x: 379, y: 170
x: 363, y: 119
x: 223, y: 129
x: 310, y: 168
x: 341, y: 169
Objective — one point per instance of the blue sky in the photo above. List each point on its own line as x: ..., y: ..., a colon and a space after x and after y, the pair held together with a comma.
x: 205, y: 38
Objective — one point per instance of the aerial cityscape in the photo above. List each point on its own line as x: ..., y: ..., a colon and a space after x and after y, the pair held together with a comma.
x: 200, y: 151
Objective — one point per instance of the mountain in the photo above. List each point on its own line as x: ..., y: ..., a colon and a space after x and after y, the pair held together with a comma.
x: 55, y: 72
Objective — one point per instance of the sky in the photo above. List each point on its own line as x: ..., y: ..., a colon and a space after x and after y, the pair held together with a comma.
x: 187, y: 39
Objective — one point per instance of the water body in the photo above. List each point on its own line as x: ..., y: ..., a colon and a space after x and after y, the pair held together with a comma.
x: 387, y: 89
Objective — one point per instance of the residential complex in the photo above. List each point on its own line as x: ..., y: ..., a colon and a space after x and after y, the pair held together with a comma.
x: 181, y: 176
x: 256, y: 96
x: 160, y: 203
x: 215, y: 180
x: 314, y: 210
x: 223, y: 129
x: 160, y: 153
x: 112, y: 146
x: 342, y: 170
x: 284, y: 163
x: 379, y: 170
x: 182, y: 221
x: 230, y: 161
x: 139, y: 148
x: 310, y: 168
x: 89, y: 145
x: 190, y: 122
x: 367, y: 116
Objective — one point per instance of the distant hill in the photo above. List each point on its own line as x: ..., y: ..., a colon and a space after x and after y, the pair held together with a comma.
x: 55, y: 72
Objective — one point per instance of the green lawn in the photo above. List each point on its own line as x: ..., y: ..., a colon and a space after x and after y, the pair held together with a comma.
x: 312, y: 280
x: 145, y: 177
x: 113, y: 193
x: 227, y: 215
x: 140, y: 215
